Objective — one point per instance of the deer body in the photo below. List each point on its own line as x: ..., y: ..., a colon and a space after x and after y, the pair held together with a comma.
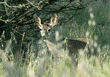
x: 73, y: 45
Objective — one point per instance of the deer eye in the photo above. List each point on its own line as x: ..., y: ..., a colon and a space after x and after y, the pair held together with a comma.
x: 49, y: 30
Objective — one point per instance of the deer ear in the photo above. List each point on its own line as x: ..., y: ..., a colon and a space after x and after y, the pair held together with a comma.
x: 37, y: 21
x: 53, y: 20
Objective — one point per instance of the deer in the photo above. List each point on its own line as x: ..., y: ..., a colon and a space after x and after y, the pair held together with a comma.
x: 73, y: 45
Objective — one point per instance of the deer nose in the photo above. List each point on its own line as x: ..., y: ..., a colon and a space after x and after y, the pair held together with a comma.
x: 44, y: 37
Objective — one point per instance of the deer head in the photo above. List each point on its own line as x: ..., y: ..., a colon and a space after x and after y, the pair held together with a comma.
x: 45, y: 28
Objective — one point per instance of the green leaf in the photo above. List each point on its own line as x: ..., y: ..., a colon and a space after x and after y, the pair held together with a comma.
x: 1, y: 17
